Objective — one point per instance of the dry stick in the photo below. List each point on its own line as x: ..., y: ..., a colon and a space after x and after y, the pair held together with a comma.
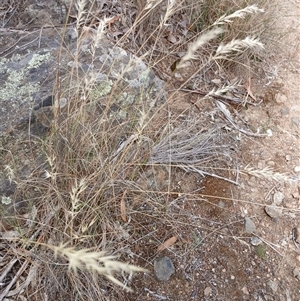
x: 21, y: 270
x: 226, y: 113
x: 222, y: 97
x: 8, y: 268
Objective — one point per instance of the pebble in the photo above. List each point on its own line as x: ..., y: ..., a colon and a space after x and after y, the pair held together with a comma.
x: 245, y: 290
x: 297, y: 234
x: 285, y: 111
x: 249, y: 225
x: 273, y: 286
x: 295, y: 195
x: 273, y: 211
x: 288, y: 157
x: 255, y: 241
x: 295, y: 120
x: 296, y: 168
x: 280, y: 98
x: 278, y: 198
x: 296, y: 272
x: 163, y: 268
x: 207, y: 291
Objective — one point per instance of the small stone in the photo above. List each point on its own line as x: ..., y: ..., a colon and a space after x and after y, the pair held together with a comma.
x: 207, y: 291
x: 280, y: 98
x: 163, y: 268
x: 297, y: 234
x: 297, y: 168
x: 288, y: 157
x: 295, y: 195
x: 255, y: 241
x: 278, y: 198
x: 273, y: 286
x: 249, y: 225
x: 285, y: 111
x: 216, y: 81
x: 273, y: 211
x: 245, y: 290
x: 296, y: 272
x: 295, y: 120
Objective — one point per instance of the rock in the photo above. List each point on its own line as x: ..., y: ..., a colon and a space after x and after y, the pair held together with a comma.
x: 245, y: 290
x: 278, y: 198
x: 296, y: 233
x: 207, y: 291
x: 255, y: 241
x: 295, y: 120
x: 296, y: 168
x: 280, y: 98
x: 285, y: 111
x: 249, y: 225
x: 296, y: 272
x: 273, y: 286
x: 273, y: 212
x: 288, y: 157
x: 295, y: 195
x: 163, y: 268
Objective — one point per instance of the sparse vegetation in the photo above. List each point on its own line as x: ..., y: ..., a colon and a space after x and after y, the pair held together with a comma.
x: 91, y: 194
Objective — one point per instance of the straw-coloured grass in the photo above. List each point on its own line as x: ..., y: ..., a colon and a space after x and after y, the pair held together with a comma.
x: 88, y: 168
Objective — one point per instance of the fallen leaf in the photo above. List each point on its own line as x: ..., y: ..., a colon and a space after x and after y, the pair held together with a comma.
x: 168, y: 243
x: 123, y: 207
x: 248, y: 88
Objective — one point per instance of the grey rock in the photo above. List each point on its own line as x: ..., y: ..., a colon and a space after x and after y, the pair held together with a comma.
x: 273, y: 212
x: 255, y: 241
x: 296, y: 272
x: 288, y: 157
x: 295, y: 120
x: 273, y: 286
x: 207, y: 291
x: 280, y: 98
x: 285, y: 111
x: 249, y: 225
x: 278, y: 198
x: 163, y: 268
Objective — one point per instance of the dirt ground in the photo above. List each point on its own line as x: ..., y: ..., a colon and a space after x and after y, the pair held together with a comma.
x: 214, y: 256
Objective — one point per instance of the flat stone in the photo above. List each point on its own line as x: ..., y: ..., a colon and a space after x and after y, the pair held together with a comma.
x: 296, y: 272
x: 255, y: 241
x: 280, y: 98
x: 278, y: 198
x: 163, y: 268
x: 273, y: 211
x: 207, y: 291
x: 249, y: 225
x: 273, y: 286
x: 295, y: 120
x: 285, y: 111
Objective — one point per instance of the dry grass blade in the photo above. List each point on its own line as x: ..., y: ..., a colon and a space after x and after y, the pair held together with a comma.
x: 95, y: 261
x: 252, y: 9
x: 268, y: 173
x: 236, y: 46
x: 200, y: 42
x: 123, y: 207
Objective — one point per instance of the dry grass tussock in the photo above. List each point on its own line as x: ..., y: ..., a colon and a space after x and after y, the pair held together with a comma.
x: 93, y: 163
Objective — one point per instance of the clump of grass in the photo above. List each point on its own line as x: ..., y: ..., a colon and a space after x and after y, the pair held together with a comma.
x: 97, y: 262
x: 260, y: 251
x: 89, y: 168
